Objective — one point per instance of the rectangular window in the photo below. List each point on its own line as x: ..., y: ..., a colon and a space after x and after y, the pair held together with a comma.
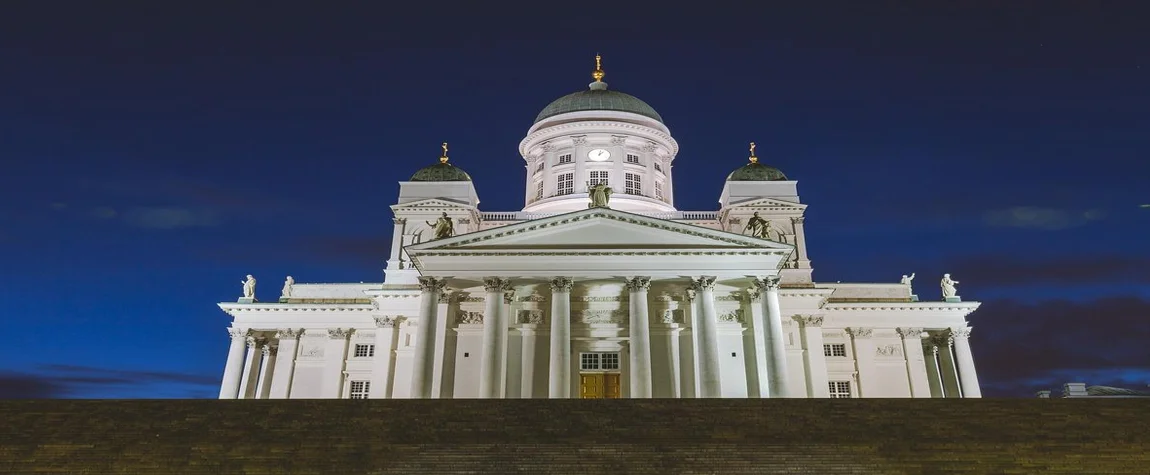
x: 540, y: 167
x: 632, y: 158
x: 597, y: 177
x: 589, y: 361
x: 538, y: 190
x: 610, y: 361
x: 566, y: 184
x: 359, y: 389
x: 840, y: 389
x: 658, y: 190
x: 565, y: 158
x: 658, y: 167
x: 632, y: 186
x: 364, y: 351
x: 835, y: 349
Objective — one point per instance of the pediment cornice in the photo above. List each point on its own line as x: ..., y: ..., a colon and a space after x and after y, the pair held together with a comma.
x: 430, y: 204
x: 767, y: 204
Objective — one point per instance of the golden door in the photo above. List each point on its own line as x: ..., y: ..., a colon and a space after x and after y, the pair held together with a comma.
x: 599, y: 385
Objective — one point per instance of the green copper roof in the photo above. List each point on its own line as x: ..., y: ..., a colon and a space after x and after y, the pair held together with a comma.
x: 756, y: 172
x: 441, y: 172
x: 598, y: 100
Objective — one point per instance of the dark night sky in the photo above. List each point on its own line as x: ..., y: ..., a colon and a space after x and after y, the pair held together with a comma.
x: 153, y: 155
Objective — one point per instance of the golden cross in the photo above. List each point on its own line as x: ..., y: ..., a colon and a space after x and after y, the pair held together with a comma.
x: 752, y: 149
x: 444, y: 149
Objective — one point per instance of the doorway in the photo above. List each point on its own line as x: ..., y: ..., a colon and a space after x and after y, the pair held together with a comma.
x: 599, y: 376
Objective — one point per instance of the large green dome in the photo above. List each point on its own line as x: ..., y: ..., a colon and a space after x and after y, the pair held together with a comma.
x: 756, y: 171
x: 441, y: 172
x: 598, y: 99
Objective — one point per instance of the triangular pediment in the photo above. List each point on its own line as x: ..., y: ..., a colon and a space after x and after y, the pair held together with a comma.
x: 768, y: 204
x: 430, y: 204
x: 598, y: 229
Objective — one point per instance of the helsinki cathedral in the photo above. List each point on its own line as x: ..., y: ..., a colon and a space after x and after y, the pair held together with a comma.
x: 599, y: 287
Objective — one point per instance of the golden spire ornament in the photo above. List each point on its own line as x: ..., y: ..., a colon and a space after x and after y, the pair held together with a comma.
x: 443, y: 159
x: 753, y: 158
x: 598, y: 74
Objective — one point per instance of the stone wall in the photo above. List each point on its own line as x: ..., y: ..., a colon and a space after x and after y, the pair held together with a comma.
x: 879, y: 436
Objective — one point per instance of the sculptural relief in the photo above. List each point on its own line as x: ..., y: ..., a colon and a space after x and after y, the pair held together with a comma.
x: 888, y: 350
x: 600, y: 194
x: 469, y: 318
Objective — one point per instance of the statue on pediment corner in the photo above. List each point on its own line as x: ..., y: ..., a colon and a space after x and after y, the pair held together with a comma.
x: 249, y: 287
x: 443, y: 227
x: 600, y: 195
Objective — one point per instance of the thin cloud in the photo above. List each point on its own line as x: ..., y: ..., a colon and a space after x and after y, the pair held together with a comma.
x: 1038, y: 218
x: 1020, y: 349
x: 67, y: 381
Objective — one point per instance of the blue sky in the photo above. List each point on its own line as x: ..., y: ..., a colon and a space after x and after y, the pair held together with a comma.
x: 154, y: 156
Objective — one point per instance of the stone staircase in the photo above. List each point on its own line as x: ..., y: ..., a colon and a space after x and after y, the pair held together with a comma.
x: 661, y: 436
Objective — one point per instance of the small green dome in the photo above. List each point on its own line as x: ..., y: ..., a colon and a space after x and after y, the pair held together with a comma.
x: 756, y: 172
x: 599, y: 99
x: 441, y: 172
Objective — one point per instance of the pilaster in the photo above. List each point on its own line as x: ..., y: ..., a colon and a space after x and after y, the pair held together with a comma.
x: 284, y: 370
x: 251, y: 367
x: 916, y: 365
x: 864, y: 350
x: 267, y: 370
x: 384, y: 359
x: 335, y: 360
x: 815, y: 361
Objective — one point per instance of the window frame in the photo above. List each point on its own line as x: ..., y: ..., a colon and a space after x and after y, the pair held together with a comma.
x: 633, y: 184
x: 368, y: 350
x: 830, y: 350
x: 363, y: 392
x: 562, y: 179
x: 835, y: 389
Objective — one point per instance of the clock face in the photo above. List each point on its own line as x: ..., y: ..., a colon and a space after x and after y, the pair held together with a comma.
x: 598, y: 155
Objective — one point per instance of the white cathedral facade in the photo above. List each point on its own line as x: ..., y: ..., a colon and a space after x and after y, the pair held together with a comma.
x: 598, y: 288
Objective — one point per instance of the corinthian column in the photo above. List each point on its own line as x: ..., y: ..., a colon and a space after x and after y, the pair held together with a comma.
x: 916, y: 365
x: 491, y: 358
x: 423, y: 365
x: 335, y: 357
x: 560, y: 368
x: 233, y: 369
x: 864, y: 349
x: 960, y: 338
x: 251, y: 368
x: 776, y: 350
x: 381, y: 362
x: 640, y: 335
x: 710, y: 381
x: 285, y: 363
x: 267, y: 370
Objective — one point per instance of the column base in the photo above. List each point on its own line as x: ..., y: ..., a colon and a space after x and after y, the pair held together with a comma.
x: 246, y: 300
x: 913, y: 298
x: 954, y: 299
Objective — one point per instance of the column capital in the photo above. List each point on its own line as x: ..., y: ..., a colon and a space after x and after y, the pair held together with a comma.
x: 339, y: 333
x: 810, y: 320
x: 705, y: 282
x: 768, y: 283
x: 909, y: 332
x: 446, y: 297
x: 398, y: 220
x: 860, y: 332
x: 238, y: 333
x: 288, y: 333
x: 431, y: 284
x: 494, y: 284
x: 636, y: 284
x: 561, y: 284
x: 268, y: 350
x: 255, y: 342
x: 386, y: 321
x: 691, y: 292
x: 797, y: 220
x: 508, y: 296
x: 940, y: 340
x: 958, y: 333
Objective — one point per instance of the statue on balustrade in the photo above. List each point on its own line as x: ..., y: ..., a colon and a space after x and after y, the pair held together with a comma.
x: 600, y: 194
x: 288, y: 284
x: 249, y: 287
x: 906, y: 280
x: 443, y: 227
x: 948, y: 290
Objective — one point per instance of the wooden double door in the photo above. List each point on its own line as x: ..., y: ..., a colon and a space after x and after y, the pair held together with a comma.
x: 599, y: 385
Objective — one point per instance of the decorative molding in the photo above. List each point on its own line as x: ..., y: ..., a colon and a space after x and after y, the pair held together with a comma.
x: 691, y: 293
x: 254, y: 342
x: 768, y: 284
x: 386, y: 321
x: 472, y: 299
x: 561, y: 284
x: 468, y: 318
x: 547, y: 147
x: 833, y: 334
x: 464, y: 220
x: 638, y: 284
x: 339, y: 333
x: 810, y: 321
x: 601, y: 316
x: 650, y: 147
x: 705, y: 283
x: 941, y: 341
x: 534, y: 297
x: 889, y: 350
x: 562, y: 129
x: 959, y: 333
x: 431, y: 284
x: 909, y: 332
x: 312, y: 351
x: 530, y: 316
x: 579, y: 139
x: 399, y: 221
x: 288, y: 333
x: 669, y: 316
x: 269, y: 350
x: 493, y: 284
x: 734, y: 316
x: 796, y: 220
x: 238, y: 333
x: 860, y: 332
x: 616, y: 298
x: 618, y: 140
x: 508, y: 297
x: 445, y: 297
